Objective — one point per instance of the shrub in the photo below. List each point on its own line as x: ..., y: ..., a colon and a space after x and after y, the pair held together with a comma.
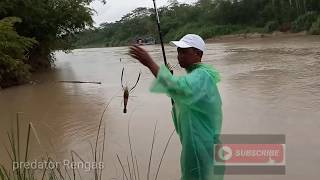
x: 218, y: 30
x: 13, y: 49
x: 271, y: 26
x: 304, y: 22
x: 315, y: 28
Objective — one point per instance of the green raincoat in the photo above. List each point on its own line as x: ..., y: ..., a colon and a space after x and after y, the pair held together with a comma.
x: 197, y: 117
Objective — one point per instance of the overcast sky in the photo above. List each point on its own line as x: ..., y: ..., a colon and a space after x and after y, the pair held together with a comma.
x: 113, y: 10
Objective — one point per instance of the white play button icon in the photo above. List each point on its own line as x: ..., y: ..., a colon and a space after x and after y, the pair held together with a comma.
x: 225, y: 153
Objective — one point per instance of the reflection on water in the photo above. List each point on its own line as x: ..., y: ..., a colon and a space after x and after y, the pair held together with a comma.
x: 268, y: 86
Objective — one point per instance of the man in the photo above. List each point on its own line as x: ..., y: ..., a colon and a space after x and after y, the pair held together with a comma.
x: 196, y: 112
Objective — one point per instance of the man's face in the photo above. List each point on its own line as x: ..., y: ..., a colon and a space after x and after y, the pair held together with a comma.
x: 188, y: 56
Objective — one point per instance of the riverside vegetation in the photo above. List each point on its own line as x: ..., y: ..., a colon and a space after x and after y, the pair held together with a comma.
x: 208, y: 18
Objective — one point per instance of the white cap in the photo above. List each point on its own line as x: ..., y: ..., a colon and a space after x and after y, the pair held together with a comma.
x: 190, y: 40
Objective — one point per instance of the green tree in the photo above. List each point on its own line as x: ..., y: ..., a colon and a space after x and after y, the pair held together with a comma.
x: 173, y: 3
x: 208, y: 18
x: 13, y: 53
x: 51, y: 22
x: 315, y: 28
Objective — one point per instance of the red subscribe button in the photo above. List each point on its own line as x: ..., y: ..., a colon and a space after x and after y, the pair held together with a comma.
x: 236, y: 154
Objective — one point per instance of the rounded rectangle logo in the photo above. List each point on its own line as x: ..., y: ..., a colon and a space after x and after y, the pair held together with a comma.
x: 250, y: 154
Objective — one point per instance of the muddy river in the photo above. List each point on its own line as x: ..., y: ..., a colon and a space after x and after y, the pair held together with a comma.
x: 269, y: 86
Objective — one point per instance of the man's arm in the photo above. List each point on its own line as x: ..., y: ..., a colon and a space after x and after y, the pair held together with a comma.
x: 144, y: 58
x: 183, y: 88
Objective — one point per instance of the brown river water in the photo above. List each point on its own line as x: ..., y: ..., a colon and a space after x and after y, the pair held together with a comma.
x: 269, y: 86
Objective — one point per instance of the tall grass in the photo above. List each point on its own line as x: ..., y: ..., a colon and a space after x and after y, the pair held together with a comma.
x: 132, y: 171
x: 14, y: 153
x: 130, y: 166
x: 56, y: 173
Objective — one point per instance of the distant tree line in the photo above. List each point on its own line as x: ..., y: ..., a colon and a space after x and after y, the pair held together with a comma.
x: 207, y: 18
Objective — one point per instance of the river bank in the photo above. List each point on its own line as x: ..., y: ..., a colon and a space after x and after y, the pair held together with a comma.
x: 234, y: 38
x: 252, y: 36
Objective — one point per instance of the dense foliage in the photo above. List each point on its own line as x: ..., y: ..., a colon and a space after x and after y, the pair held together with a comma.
x: 206, y: 17
x: 315, y: 28
x: 13, y: 48
x: 52, y: 23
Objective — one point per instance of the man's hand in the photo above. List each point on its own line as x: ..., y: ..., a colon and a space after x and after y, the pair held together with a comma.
x: 141, y: 55
x: 144, y: 58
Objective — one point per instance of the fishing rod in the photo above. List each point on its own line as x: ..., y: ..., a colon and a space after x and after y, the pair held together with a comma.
x: 161, y: 40
x: 160, y: 33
